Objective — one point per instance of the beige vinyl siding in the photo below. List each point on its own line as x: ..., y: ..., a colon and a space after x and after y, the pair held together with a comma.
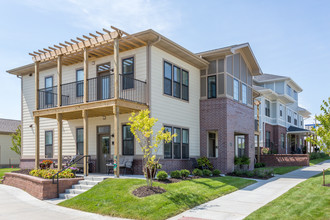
x: 173, y: 111
x: 69, y: 127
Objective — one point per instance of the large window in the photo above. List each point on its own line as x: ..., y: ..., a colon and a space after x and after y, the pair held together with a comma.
x: 128, y: 141
x: 289, y: 116
x: 128, y: 73
x: 80, y: 141
x: 236, y: 89
x: 282, y: 141
x: 267, y: 108
x: 179, y: 147
x: 244, y: 93
x: 176, y: 81
x: 49, y: 96
x: 268, y: 139
x: 80, y: 82
x: 211, y: 87
x: 295, y: 119
x: 49, y: 144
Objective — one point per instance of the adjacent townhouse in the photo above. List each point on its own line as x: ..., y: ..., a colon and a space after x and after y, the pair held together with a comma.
x: 281, y: 119
x: 77, y: 97
x: 8, y: 158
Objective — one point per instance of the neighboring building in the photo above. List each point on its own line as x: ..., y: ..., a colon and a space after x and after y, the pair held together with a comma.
x: 205, y: 98
x: 8, y: 158
x: 281, y: 119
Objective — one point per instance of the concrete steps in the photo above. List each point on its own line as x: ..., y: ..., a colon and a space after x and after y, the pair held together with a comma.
x: 82, y: 186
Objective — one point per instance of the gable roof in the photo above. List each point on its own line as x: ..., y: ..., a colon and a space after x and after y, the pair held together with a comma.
x: 9, y: 125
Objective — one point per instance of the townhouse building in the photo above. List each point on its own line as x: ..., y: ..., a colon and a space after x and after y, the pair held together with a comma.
x: 77, y: 97
x: 281, y: 119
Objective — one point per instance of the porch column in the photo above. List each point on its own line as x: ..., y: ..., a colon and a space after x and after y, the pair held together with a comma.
x: 116, y: 132
x: 36, y: 84
x: 85, y: 118
x: 116, y: 66
x: 258, y: 144
x: 37, y: 142
x: 59, y: 81
x: 258, y: 127
x: 59, y: 140
x: 85, y: 75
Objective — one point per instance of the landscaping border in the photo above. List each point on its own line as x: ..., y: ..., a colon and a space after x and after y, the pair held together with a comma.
x: 283, y: 160
x: 38, y: 187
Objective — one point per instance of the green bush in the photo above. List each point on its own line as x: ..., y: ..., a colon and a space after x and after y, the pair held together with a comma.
x: 48, y: 173
x: 258, y: 165
x: 316, y: 155
x: 175, y: 174
x: 237, y: 161
x: 204, y: 162
x: 184, y: 173
x: 162, y: 175
x: 197, y: 172
x: 216, y: 172
x: 249, y: 174
x: 245, y: 160
x: 207, y: 172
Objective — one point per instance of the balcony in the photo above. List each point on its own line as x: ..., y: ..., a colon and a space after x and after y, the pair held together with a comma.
x: 99, y: 88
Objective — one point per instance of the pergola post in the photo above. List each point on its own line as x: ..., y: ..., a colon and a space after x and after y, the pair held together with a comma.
x: 116, y: 169
x: 85, y: 75
x: 37, y: 142
x: 59, y: 81
x: 59, y: 140
x: 85, y: 119
x: 258, y: 127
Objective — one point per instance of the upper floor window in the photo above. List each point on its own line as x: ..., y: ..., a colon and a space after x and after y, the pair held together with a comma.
x: 236, y: 89
x: 301, y: 121
x: 289, y: 116
x: 267, y: 108
x: 244, y: 93
x: 128, y: 73
x: 281, y: 110
x: 176, y: 81
x: 295, y: 95
x: 80, y: 82
x: 289, y: 90
x: 212, y: 87
x: 49, y: 94
x: 295, y: 119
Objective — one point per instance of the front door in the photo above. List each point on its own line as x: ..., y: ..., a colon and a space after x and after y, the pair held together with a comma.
x: 239, y: 145
x: 103, y: 148
x: 103, y: 81
x: 213, y: 149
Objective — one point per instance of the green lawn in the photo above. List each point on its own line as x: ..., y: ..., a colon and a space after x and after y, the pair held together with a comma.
x: 281, y: 170
x: 307, y: 200
x: 113, y: 197
x: 318, y: 160
x: 6, y: 170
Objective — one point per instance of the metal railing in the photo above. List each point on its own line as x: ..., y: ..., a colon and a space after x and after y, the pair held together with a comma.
x: 65, y: 168
x: 99, y: 88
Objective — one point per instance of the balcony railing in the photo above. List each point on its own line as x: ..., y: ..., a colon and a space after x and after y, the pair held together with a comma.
x: 99, y: 88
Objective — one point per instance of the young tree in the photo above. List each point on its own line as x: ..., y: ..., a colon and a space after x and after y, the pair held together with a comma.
x: 322, y: 130
x: 141, y: 127
x: 16, y: 141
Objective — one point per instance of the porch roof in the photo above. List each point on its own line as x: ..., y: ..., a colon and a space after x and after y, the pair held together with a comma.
x: 296, y: 130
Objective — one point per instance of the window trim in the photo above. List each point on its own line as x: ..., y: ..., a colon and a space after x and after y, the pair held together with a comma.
x: 268, y: 141
x: 246, y: 93
x: 183, y: 70
x: 181, y: 142
x: 79, y: 128
x: 208, y: 90
x: 235, y: 79
x: 122, y: 141
x: 125, y: 75
x: 52, y: 145
x: 267, y: 109
x: 175, y: 82
x: 80, y: 82
x: 51, y: 101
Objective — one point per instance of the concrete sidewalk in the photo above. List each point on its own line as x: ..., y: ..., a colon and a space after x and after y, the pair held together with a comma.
x: 239, y: 204
x: 18, y: 204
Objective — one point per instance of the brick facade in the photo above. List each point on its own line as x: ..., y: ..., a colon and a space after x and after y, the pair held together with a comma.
x: 228, y: 118
x: 275, y: 138
x: 283, y: 160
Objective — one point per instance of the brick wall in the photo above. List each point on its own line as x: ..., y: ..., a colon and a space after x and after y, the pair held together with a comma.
x: 38, y: 187
x: 275, y: 137
x: 228, y: 118
x: 283, y: 160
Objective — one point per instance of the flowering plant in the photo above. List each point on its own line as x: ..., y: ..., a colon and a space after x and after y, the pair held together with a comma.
x: 47, y: 162
x: 265, y: 150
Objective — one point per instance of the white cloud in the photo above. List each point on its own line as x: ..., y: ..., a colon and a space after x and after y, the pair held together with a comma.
x: 129, y: 15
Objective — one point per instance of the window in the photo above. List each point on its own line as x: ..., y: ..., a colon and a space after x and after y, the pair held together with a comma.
x: 177, y: 143
x: 212, y: 144
x: 168, y: 146
x: 80, y: 141
x: 185, y: 85
x: 295, y: 119
x: 179, y: 147
x: 282, y: 141
x: 295, y: 94
x: 128, y: 73
x: 289, y: 90
x: 289, y: 116
x: 268, y: 139
x: 211, y: 87
x: 167, y: 78
x: 301, y: 121
x: 176, y: 82
x: 212, y: 67
x: 185, y: 143
x: 239, y: 145
x: 80, y: 82
x: 128, y: 141
x: 281, y: 110
x: 49, y: 95
x: 49, y: 144
x: 236, y: 89
x: 244, y: 99
x: 267, y: 108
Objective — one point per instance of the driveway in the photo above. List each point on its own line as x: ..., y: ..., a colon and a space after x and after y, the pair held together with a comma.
x: 241, y: 203
x: 17, y: 204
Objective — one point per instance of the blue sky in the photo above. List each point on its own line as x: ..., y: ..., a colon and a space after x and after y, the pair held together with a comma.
x: 289, y: 38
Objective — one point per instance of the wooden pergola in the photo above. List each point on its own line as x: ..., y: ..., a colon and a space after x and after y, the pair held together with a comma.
x: 75, y: 51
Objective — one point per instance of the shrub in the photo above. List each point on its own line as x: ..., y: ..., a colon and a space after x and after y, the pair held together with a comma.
x: 245, y: 160
x: 162, y: 175
x: 238, y: 172
x: 249, y: 174
x: 258, y: 165
x: 204, y: 162
x: 197, y: 172
x: 216, y: 172
x: 176, y: 174
x: 207, y: 172
x: 237, y: 161
x: 316, y: 155
x: 48, y: 173
x: 184, y: 173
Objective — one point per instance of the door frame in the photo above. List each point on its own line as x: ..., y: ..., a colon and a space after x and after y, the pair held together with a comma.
x: 98, y: 154
x: 216, y: 144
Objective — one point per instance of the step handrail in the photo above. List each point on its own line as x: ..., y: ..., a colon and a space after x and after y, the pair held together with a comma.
x: 67, y: 167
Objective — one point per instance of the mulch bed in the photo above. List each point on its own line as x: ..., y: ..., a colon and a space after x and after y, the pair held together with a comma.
x: 144, y: 191
x: 24, y: 171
